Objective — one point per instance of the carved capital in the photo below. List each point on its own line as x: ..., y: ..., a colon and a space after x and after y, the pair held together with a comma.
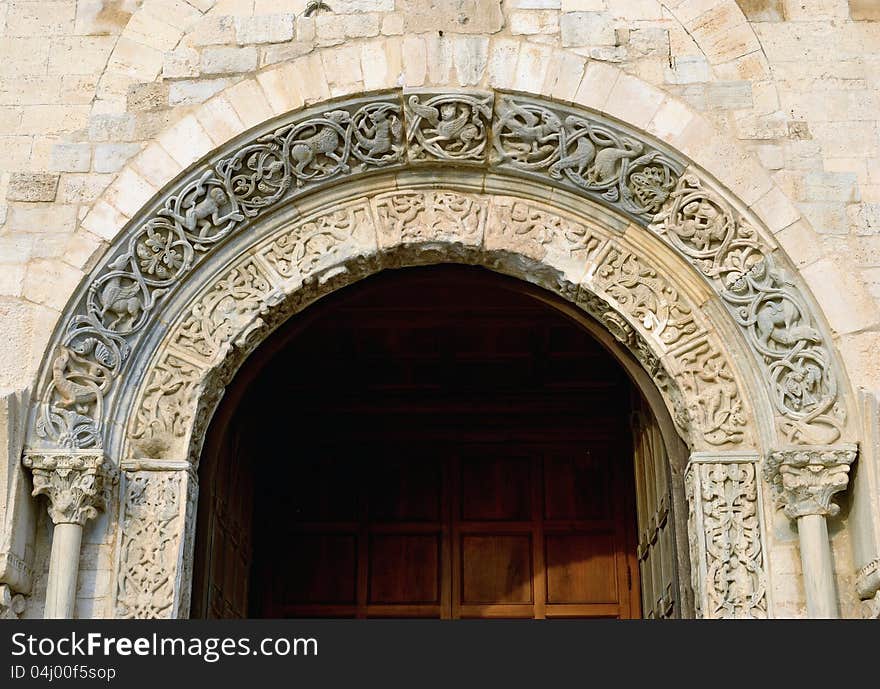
x: 74, y: 482
x: 806, y: 479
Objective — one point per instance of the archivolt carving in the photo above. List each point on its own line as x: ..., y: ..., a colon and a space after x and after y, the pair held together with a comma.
x: 558, y: 145
x: 764, y: 302
x: 433, y: 216
x: 649, y: 298
x: 714, y: 398
x: 448, y: 126
x: 590, y: 155
x: 317, y: 242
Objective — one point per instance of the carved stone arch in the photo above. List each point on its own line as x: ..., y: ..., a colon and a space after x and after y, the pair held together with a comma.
x: 595, y: 211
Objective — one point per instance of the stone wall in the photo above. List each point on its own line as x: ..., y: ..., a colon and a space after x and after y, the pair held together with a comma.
x: 102, y: 102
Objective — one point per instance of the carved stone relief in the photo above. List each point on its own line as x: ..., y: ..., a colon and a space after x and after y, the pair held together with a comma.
x: 765, y: 303
x: 76, y: 483
x: 726, y: 538
x: 806, y: 479
x: 505, y: 134
x: 151, y: 547
x: 448, y: 126
x: 430, y: 217
x: 530, y: 229
x: 646, y: 296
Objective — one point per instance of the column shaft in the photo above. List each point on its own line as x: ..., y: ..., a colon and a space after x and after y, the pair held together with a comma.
x: 63, y: 570
x: 816, y: 562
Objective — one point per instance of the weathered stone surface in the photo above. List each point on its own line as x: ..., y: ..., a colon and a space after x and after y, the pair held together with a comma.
x: 32, y: 187
x: 864, y: 10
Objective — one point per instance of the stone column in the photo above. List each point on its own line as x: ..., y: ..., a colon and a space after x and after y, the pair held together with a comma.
x: 74, y: 483
x: 805, y: 480
x: 726, y: 536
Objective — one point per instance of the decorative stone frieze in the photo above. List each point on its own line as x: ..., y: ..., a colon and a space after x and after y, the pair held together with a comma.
x: 805, y: 480
x: 502, y: 134
x: 76, y: 483
x: 725, y: 531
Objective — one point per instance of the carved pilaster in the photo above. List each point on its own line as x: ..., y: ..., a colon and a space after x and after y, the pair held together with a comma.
x: 806, y: 479
x: 725, y: 530
x: 74, y: 482
x: 156, y: 539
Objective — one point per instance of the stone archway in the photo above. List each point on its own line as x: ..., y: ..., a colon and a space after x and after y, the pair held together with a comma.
x: 601, y: 214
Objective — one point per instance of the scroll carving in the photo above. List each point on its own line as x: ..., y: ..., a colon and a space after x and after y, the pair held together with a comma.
x: 448, y: 126
x: 224, y: 311
x: 588, y: 154
x: 765, y: 303
x: 430, y: 216
x: 316, y: 242
x: 646, y: 296
x: 731, y: 582
x: 714, y: 398
x: 164, y: 413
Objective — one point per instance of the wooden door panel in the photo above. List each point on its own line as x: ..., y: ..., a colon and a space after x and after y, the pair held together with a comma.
x: 496, y: 568
x: 582, y: 568
x: 495, y: 488
x: 321, y: 568
x: 404, y: 569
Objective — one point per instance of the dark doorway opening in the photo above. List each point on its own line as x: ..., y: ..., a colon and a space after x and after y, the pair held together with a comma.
x: 429, y: 442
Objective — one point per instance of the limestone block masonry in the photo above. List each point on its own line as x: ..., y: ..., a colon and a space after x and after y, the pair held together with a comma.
x: 178, y: 177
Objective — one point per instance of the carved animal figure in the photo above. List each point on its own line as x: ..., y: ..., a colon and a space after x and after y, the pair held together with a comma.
x: 447, y: 124
x: 531, y: 138
x: 606, y: 167
x: 123, y: 301
x: 777, y: 322
x: 380, y: 133
x: 583, y: 155
x: 205, y: 214
x: 78, y: 387
x: 324, y: 142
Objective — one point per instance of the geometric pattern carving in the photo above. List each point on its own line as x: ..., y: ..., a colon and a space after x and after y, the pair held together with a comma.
x: 503, y: 134
x: 725, y: 533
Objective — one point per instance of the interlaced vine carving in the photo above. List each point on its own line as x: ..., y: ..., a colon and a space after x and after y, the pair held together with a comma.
x: 723, y: 500
x: 648, y: 297
x: 559, y: 145
x: 767, y: 305
x: 590, y: 155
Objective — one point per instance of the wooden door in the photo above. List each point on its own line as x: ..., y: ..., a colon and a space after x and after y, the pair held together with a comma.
x: 470, y: 530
